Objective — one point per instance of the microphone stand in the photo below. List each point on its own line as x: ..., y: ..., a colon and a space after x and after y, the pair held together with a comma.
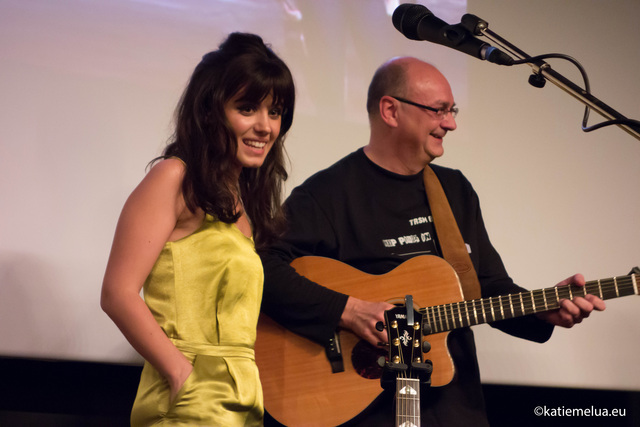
x: 480, y: 27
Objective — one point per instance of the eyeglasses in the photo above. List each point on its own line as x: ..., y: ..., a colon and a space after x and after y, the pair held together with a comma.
x: 441, y: 113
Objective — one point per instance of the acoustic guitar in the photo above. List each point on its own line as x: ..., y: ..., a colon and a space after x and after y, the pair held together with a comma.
x: 303, y: 387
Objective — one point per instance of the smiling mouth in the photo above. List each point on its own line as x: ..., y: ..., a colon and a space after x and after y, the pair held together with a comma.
x: 254, y: 144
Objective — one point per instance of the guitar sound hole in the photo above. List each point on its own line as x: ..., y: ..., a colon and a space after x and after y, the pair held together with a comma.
x: 364, y: 359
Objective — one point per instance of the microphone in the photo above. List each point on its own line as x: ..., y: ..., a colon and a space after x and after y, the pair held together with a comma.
x: 417, y: 22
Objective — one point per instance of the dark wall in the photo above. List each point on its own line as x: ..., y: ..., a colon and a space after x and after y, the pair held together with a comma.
x: 48, y: 393
x: 66, y: 393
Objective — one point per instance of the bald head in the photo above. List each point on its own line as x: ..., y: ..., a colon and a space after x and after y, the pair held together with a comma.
x: 397, y: 77
x: 411, y: 109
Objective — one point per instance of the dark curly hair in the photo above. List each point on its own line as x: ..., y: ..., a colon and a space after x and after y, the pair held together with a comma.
x: 243, y: 65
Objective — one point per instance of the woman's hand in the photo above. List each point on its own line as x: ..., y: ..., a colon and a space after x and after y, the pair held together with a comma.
x: 176, y: 382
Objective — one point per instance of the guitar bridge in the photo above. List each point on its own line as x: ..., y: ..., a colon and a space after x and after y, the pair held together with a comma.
x: 334, y: 354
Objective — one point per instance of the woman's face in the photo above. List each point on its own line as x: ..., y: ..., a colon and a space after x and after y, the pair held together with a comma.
x: 256, y: 127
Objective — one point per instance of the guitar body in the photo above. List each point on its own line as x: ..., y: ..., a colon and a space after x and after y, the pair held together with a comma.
x: 299, y: 386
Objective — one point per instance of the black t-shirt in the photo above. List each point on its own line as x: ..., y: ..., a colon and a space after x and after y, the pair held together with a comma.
x: 377, y: 218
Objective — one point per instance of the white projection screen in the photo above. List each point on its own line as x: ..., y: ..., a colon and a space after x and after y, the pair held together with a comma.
x: 87, y: 92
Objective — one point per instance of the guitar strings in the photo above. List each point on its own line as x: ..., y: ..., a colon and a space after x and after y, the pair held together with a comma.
x: 408, y: 400
x: 468, y: 313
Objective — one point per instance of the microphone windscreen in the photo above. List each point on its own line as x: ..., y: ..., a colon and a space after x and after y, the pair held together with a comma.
x: 406, y: 18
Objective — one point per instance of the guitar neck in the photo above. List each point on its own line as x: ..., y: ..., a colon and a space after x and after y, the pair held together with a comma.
x: 461, y: 314
x: 407, y: 402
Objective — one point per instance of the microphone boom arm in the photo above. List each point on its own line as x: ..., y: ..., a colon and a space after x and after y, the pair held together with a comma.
x: 480, y: 27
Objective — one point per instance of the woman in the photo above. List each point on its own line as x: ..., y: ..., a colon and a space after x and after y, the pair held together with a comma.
x: 187, y: 232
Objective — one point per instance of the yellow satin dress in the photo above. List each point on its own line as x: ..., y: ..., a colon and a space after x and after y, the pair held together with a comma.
x: 205, y: 292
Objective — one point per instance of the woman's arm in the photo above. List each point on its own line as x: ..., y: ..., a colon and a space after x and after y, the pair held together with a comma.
x: 146, y: 223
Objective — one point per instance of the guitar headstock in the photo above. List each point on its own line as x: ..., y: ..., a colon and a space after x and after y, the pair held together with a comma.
x: 405, y: 363
x: 405, y: 344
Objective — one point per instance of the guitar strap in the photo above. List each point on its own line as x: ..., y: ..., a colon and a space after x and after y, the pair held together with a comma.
x: 453, y: 247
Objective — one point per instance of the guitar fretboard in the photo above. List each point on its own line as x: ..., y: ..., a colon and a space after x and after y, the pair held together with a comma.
x: 407, y: 402
x: 456, y: 315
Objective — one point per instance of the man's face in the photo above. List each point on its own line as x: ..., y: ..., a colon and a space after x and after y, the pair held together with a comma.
x: 424, y: 130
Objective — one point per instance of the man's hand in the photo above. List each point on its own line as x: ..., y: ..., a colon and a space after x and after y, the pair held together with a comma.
x: 361, y: 316
x: 573, y: 311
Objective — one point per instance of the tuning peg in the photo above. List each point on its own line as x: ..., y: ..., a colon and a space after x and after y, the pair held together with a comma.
x: 426, y: 346
x: 426, y: 329
x: 380, y: 326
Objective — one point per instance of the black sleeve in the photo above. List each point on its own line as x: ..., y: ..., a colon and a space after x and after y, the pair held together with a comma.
x: 495, y: 281
x: 290, y: 299
x: 492, y: 275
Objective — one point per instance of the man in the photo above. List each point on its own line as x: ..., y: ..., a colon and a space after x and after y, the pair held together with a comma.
x: 357, y: 210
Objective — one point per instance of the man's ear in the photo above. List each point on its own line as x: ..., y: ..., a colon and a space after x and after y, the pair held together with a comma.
x: 389, y: 110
